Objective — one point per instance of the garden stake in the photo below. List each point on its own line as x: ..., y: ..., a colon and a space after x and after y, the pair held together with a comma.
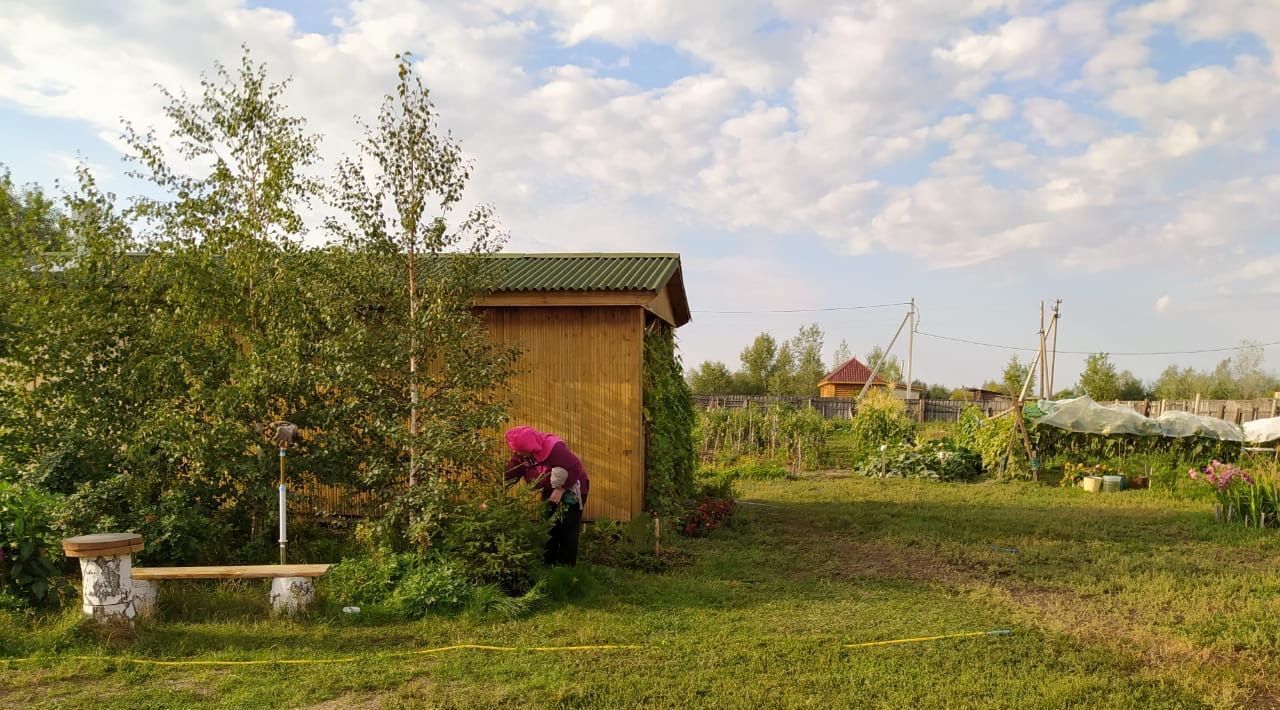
x: 968, y: 634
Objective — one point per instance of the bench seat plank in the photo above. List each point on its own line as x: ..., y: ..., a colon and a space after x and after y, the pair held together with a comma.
x: 230, y: 572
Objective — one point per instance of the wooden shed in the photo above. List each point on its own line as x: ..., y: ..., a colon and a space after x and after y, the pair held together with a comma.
x: 580, y: 321
x: 848, y: 380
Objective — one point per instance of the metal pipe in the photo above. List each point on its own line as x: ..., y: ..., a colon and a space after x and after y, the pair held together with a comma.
x: 284, y: 536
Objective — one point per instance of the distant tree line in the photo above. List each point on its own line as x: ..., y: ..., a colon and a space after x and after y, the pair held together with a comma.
x: 795, y: 366
x: 1238, y: 376
x: 790, y: 367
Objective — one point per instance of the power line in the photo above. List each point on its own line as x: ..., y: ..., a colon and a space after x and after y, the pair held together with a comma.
x: 804, y: 310
x: 1091, y: 352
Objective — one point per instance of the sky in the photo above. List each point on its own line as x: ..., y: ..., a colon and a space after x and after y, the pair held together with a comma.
x: 979, y: 156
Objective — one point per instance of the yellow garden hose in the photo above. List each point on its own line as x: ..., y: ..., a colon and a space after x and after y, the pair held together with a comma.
x: 444, y: 649
x: 967, y: 634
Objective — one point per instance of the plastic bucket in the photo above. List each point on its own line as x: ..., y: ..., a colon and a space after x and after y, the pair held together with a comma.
x: 1093, y: 484
x: 1112, y: 484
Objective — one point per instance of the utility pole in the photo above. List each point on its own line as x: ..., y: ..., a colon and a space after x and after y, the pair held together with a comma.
x: 911, y: 339
x: 1057, y: 305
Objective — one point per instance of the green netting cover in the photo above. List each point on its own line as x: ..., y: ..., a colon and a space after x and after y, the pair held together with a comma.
x: 1084, y: 415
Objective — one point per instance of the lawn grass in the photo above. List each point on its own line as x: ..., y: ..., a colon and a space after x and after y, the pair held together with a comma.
x: 1129, y: 600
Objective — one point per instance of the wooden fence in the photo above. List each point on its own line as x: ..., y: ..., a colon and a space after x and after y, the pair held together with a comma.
x: 1238, y: 411
x: 925, y: 410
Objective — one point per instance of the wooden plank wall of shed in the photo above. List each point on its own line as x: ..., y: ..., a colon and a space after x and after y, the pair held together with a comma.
x: 580, y: 377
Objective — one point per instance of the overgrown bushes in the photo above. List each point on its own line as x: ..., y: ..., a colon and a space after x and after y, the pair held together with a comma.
x: 940, y: 460
x: 669, y: 418
x: 28, y: 547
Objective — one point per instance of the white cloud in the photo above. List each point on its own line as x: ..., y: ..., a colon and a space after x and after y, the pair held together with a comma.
x: 995, y: 107
x: 1162, y: 303
x: 878, y: 127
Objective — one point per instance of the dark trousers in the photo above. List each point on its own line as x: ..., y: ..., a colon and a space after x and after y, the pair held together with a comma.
x: 562, y: 545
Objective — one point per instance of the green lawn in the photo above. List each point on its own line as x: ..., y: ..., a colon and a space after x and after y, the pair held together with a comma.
x: 1122, y: 600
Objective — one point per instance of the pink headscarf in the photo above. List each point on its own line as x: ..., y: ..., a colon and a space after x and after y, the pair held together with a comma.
x: 528, y: 441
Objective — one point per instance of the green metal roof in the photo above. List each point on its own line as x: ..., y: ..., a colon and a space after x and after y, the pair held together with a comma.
x: 584, y: 272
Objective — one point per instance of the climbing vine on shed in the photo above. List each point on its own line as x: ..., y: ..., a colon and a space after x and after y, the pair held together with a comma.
x: 668, y: 425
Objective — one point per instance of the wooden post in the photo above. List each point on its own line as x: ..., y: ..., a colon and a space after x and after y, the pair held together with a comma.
x: 657, y: 536
x: 1043, y: 369
x: 1275, y: 400
x: 1162, y: 405
x: 1196, y: 407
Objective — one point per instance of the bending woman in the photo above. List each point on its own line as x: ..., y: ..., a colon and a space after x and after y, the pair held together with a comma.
x: 546, y: 463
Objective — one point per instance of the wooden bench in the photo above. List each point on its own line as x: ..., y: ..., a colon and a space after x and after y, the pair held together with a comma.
x: 292, y: 586
x: 115, y: 590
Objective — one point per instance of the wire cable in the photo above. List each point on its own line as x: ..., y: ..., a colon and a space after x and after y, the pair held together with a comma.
x: 1091, y: 352
x: 805, y: 310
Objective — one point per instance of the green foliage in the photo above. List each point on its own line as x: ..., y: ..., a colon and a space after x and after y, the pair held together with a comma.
x: 939, y: 460
x: 1096, y: 448
x: 997, y: 443
x: 1240, y: 376
x: 28, y: 546
x: 793, y: 437
x: 615, y: 544
x: 367, y: 580
x: 713, y: 378
x: 1102, y: 381
x: 891, y: 370
x: 669, y: 418
x: 569, y: 584
x: 881, y: 419
x: 138, y: 377
x: 438, y: 585
x: 1014, y: 377
x: 747, y: 468
x: 496, y: 541
x: 1248, y: 498
x: 488, y: 601
x: 768, y: 366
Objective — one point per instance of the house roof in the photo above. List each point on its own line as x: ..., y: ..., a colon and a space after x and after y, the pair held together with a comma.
x: 585, y: 272
x: 852, y: 372
x: 654, y: 281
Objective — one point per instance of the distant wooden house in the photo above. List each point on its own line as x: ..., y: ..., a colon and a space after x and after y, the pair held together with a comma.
x: 580, y: 322
x: 849, y: 379
x: 978, y: 394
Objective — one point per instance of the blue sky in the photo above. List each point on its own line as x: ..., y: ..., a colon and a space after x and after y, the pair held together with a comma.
x: 978, y: 157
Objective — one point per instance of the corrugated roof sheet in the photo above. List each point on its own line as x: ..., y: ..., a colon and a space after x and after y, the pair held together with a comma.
x: 584, y: 272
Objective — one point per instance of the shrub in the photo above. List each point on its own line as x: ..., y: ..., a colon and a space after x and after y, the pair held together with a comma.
x: 627, y: 545
x: 366, y: 580
x: 881, y: 419
x: 940, y: 460
x: 705, y: 516
x: 440, y: 585
x: 496, y: 540
x: 28, y: 546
